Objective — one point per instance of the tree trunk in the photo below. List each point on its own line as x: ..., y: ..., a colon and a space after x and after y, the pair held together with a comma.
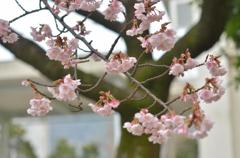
x: 136, y: 147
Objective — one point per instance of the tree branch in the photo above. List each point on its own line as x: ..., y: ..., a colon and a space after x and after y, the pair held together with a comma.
x: 99, y: 18
x: 34, y: 55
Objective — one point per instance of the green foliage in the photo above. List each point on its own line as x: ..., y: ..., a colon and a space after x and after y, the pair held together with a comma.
x: 26, y: 149
x: 15, y: 130
x: 23, y: 148
x: 233, y: 26
x: 90, y: 151
x: 64, y: 150
x: 188, y: 149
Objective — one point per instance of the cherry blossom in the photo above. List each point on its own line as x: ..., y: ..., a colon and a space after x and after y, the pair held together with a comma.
x: 25, y: 83
x: 189, y: 94
x: 65, y: 91
x: 196, y: 125
x: 5, y: 32
x: 104, y: 110
x: 212, y: 91
x: 134, y: 128
x: 71, y: 5
x: 43, y: 32
x: 200, y: 129
x: 162, y: 40
x: 190, y: 63
x: 120, y: 63
x: 145, y: 14
x: 114, y: 8
x: 214, y: 67
x: 183, y: 63
x: 176, y: 69
x: 39, y: 107
x: 61, y: 49
x: 105, y: 105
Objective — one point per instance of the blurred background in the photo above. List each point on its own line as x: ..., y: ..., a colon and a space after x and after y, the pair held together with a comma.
x: 203, y: 26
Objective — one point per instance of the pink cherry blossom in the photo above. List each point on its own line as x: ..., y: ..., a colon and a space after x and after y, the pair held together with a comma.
x: 114, y: 8
x: 139, y: 10
x: 71, y: 5
x: 65, y: 91
x: 145, y: 16
x: 89, y: 5
x: 25, y: 83
x: 114, y: 103
x: 120, y: 63
x: 5, y: 32
x: 214, y: 67
x: 170, y: 124
x: 176, y: 69
x: 201, y: 130
x: 44, y: 31
x: 104, y: 110
x: 206, y: 95
x: 39, y: 107
x: 63, y: 51
x: 134, y: 128
x: 4, y: 27
x: 163, y: 40
x: 213, y: 94
x: 105, y: 105
x: 10, y: 38
x: 190, y: 63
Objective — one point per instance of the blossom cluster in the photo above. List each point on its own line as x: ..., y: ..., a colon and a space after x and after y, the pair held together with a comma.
x: 62, y: 49
x: 114, y: 8
x: 105, y: 104
x: 39, y: 107
x: 65, y: 89
x: 214, y: 66
x: 120, y: 63
x: 196, y: 125
x: 212, y: 91
x: 184, y: 63
x: 5, y: 32
x: 44, y: 31
x: 71, y: 5
x: 145, y: 14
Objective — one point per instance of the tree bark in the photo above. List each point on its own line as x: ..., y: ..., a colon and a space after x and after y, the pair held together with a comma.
x: 137, y: 147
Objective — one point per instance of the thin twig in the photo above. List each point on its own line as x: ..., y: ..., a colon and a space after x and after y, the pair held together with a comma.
x: 40, y: 84
x: 185, y: 110
x: 173, y: 100
x: 147, y: 91
x: 155, y: 77
x: 95, y: 86
x: 150, y: 106
x: 116, y: 41
x: 131, y: 95
x: 25, y: 14
x: 21, y: 6
x: 152, y: 65
x: 141, y: 98
x: 136, y: 65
